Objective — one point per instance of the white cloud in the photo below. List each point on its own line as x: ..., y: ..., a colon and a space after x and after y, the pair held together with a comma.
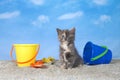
x: 103, y: 19
x: 42, y: 19
x: 37, y: 2
x: 100, y: 2
x: 8, y: 15
x: 70, y: 15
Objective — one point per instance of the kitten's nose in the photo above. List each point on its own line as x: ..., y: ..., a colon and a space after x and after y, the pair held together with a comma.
x: 62, y: 36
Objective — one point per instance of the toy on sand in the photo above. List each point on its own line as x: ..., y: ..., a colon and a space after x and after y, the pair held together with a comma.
x: 40, y: 63
x: 48, y: 60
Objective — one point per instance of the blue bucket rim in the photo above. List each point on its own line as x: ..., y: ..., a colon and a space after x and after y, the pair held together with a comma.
x: 91, y: 50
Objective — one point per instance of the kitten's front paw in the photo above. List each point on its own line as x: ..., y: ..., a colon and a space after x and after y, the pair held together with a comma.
x: 70, y: 66
x: 63, y: 66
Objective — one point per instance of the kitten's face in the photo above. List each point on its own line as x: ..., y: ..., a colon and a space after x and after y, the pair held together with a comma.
x: 66, y: 35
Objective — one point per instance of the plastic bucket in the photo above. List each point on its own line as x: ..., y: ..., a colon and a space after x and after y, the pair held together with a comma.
x: 94, y: 54
x: 25, y: 54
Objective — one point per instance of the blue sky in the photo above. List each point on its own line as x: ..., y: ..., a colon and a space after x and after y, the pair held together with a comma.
x: 35, y: 21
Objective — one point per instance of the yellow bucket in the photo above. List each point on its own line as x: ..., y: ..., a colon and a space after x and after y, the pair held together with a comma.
x: 25, y: 54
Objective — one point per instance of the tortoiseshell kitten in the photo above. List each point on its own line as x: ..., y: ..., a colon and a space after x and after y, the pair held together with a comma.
x: 69, y: 56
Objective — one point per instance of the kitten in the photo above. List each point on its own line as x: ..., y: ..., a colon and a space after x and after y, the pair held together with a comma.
x: 69, y: 56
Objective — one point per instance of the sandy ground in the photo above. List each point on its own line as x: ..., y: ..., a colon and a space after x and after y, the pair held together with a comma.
x: 9, y: 71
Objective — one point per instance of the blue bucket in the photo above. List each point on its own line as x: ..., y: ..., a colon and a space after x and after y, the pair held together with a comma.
x: 94, y: 54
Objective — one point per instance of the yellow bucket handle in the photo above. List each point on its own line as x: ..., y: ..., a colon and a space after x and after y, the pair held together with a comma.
x: 25, y: 61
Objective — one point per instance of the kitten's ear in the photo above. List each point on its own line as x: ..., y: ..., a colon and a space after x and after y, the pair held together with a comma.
x: 72, y: 30
x: 58, y: 31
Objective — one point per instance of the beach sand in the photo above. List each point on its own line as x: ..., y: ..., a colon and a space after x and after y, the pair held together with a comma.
x: 9, y: 71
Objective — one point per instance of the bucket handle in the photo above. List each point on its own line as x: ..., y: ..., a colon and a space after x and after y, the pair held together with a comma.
x: 101, y: 55
x: 24, y: 61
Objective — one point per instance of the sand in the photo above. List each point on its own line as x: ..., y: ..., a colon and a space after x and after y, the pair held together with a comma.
x: 9, y: 71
